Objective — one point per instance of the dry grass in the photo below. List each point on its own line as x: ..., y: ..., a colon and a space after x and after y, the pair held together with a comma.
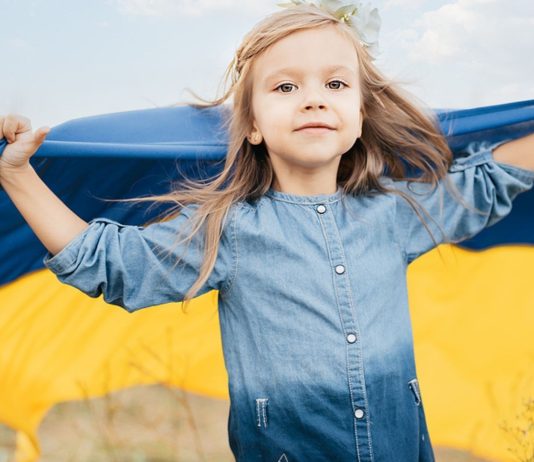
x: 139, y: 424
x: 521, y: 433
x: 161, y: 424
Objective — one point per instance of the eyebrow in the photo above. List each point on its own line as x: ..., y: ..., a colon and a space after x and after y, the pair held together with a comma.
x: 292, y: 71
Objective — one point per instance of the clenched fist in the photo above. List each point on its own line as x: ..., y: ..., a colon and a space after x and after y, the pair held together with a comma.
x: 22, y: 142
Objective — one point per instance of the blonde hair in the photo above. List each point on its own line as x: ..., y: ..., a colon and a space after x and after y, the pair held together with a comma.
x: 395, y: 132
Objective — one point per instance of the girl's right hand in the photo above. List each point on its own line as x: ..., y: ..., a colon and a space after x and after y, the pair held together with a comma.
x: 22, y: 143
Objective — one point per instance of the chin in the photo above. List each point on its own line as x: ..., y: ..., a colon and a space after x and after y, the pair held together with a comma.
x: 315, y: 162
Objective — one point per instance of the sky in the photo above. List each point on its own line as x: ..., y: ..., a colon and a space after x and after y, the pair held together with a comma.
x: 65, y: 59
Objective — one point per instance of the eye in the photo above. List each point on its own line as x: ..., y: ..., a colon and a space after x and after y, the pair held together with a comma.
x: 284, y: 85
x: 337, y: 81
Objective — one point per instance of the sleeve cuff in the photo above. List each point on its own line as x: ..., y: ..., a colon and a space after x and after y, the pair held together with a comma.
x: 62, y: 261
x: 482, y: 152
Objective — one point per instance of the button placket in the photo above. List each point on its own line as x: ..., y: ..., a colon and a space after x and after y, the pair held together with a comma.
x: 349, y: 329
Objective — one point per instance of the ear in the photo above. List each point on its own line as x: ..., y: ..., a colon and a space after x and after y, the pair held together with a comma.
x: 361, y: 123
x: 255, y: 136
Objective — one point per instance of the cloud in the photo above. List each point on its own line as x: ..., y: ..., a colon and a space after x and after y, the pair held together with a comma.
x: 19, y: 43
x: 404, y: 3
x: 481, y: 47
x: 465, y: 29
x: 184, y: 7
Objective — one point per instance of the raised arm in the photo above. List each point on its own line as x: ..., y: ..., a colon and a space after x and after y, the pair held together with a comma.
x: 136, y: 267
x: 481, y: 181
x: 131, y: 266
x: 50, y: 219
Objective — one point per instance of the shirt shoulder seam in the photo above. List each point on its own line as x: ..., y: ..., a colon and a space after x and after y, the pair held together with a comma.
x: 225, y: 289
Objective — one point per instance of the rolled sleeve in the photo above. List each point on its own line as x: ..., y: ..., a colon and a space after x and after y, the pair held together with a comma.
x: 136, y: 267
x: 482, y: 182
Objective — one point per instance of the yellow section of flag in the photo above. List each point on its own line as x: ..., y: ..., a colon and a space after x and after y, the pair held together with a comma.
x: 58, y: 344
x: 473, y: 321
x: 472, y: 313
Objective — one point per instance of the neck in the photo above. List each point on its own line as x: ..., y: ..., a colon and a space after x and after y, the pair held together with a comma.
x: 305, y: 189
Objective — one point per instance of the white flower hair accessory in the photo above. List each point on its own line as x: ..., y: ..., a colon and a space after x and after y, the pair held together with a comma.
x: 364, y: 19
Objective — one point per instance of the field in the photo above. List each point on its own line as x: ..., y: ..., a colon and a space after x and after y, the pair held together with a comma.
x: 143, y: 424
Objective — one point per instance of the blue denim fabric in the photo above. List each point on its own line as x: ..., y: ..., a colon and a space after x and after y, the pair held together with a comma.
x: 313, y: 307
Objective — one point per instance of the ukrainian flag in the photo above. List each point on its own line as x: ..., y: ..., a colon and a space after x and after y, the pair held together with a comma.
x: 472, y: 304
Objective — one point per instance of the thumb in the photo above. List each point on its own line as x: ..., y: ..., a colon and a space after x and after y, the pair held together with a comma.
x: 40, y: 135
x: 38, y: 138
x: 43, y: 131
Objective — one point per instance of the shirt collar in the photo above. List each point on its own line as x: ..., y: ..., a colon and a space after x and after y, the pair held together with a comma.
x: 305, y: 199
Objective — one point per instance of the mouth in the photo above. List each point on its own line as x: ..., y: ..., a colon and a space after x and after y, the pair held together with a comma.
x: 315, y: 130
x: 315, y: 126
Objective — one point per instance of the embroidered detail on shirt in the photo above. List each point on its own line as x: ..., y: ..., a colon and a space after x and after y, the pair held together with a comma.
x: 261, y: 412
x: 283, y: 458
x: 414, y: 386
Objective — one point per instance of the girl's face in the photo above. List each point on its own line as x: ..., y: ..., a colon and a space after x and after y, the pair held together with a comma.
x: 310, y: 76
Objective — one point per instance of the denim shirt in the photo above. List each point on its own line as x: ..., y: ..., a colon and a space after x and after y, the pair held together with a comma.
x: 313, y: 306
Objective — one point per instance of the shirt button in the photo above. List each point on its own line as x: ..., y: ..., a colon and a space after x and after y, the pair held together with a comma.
x: 351, y: 338
x: 321, y: 209
x: 340, y: 269
x: 358, y: 413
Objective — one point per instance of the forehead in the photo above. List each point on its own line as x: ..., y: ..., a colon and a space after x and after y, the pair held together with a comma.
x: 323, y: 49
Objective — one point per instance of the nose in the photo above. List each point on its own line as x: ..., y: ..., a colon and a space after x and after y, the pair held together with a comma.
x: 313, y: 99
x: 314, y: 105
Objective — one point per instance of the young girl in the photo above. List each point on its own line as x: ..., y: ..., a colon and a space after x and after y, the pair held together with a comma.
x: 306, y: 234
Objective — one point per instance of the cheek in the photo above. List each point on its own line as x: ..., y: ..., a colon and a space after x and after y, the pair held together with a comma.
x: 351, y: 116
x: 355, y: 117
x: 275, y: 121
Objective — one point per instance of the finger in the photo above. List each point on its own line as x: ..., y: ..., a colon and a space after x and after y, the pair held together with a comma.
x: 38, y: 137
x: 10, y: 128
x: 42, y: 132
x: 2, y: 118
x: 14, y: 124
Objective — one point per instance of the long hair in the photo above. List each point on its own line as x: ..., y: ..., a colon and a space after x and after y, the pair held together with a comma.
x: 395, y: 134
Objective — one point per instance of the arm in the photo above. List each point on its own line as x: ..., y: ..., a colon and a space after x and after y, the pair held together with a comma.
x: 519, y: 152
x: 482, y: 182
x: 50, y: 219
x: 131, y: 266
x: 136, y: 267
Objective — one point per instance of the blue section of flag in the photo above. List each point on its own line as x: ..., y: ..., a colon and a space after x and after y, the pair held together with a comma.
x: 142, y: 152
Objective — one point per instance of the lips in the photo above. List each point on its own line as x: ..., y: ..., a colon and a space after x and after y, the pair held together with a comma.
x: 315, y: 125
